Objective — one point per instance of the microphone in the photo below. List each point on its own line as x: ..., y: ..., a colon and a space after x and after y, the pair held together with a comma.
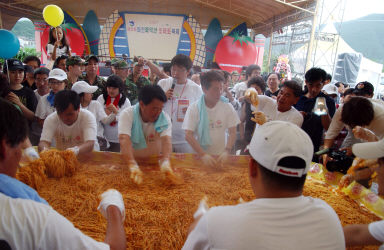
x: 174, y: 81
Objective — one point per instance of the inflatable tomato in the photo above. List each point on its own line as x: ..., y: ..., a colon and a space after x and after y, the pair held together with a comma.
x: 234, y: 52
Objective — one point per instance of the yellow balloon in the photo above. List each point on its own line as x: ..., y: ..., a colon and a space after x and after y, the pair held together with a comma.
x: 53, y: 15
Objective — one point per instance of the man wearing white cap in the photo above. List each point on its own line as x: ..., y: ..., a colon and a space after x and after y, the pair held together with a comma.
x: 85, y: 91
x: 330, y: 90
x: 373, y: 233
x: 280, y: 217
x: 45, y: 107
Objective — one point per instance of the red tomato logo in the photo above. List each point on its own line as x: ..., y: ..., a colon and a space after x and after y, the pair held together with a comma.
x: 232, y: 53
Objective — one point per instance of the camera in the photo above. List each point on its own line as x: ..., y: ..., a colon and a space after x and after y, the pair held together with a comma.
x: 340, y: 162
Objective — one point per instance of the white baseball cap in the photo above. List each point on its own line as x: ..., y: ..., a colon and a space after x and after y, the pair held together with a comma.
x: 57, y: 74
x: 275, y: 140
x: 83, y: 87
x: 369, y: 150
x: 330, y: 89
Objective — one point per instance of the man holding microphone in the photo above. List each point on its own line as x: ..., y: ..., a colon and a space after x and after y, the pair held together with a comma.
x: 181, y: 92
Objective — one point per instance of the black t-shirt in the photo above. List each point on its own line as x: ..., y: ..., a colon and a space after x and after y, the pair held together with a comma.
x: 270, y: 94
x: 27, y: 98
x: 249, y: 124
x: 312, y: 123
x: 25, y: 84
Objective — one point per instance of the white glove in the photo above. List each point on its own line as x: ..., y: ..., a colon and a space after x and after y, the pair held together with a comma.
x: 165, y: 166
x: 74, y: 149
x: 31, y: 153
x: 111, y: 197
x: 202, y: 209
x: 223, y: 157
x: 167, y: 172
x: 208, y: 160
x: 136, y: 174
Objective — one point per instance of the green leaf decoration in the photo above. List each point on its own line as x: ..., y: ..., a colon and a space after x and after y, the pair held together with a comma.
x: 68, y: 26
x: 241, y: 38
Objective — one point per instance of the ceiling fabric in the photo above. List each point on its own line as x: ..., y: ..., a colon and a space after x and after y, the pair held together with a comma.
x: 258, y: 14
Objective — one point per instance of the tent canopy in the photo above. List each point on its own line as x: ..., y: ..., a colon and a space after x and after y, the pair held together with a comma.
x: 261, y: 15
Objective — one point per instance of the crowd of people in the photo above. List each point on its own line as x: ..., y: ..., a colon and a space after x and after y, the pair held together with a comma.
x: 181, y: 108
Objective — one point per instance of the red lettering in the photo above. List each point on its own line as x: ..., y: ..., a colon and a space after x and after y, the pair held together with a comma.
x: 288, y: 172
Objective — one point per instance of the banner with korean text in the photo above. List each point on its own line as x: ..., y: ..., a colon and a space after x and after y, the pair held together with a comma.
x: 153, y: 36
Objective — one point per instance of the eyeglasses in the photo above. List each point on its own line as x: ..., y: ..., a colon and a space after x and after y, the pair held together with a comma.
x: 41, y: 79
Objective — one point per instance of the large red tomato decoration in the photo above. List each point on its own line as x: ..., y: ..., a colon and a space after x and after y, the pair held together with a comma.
x: 74, y: 37
x: 234, y: 52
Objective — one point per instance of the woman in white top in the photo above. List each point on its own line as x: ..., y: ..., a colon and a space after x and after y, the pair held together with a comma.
x: 57, y: 45
x: 114, y: 101
x: 85, y: 92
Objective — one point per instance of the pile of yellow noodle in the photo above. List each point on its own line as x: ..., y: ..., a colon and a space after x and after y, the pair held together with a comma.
x: 158, y: 213
x: 59, y: 163
x: 52, y: 163
x: 33, y: 174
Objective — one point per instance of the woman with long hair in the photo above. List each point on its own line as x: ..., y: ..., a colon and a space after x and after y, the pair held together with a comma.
x: 57, y: 45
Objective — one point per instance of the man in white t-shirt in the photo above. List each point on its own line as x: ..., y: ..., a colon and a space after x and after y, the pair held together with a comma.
x: 71, y: 127
x: 210, y: 119
x: 145, y: 130
x: 373, y: 233
x: 45, y: 107
x: 367, y: 114
x: 27, y: 221
x: 181, y: 92
x: 86, y: 92
x: 41, y: 80
x: 361, y: 107
x: 282, y: 108
x: 280, y: 217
